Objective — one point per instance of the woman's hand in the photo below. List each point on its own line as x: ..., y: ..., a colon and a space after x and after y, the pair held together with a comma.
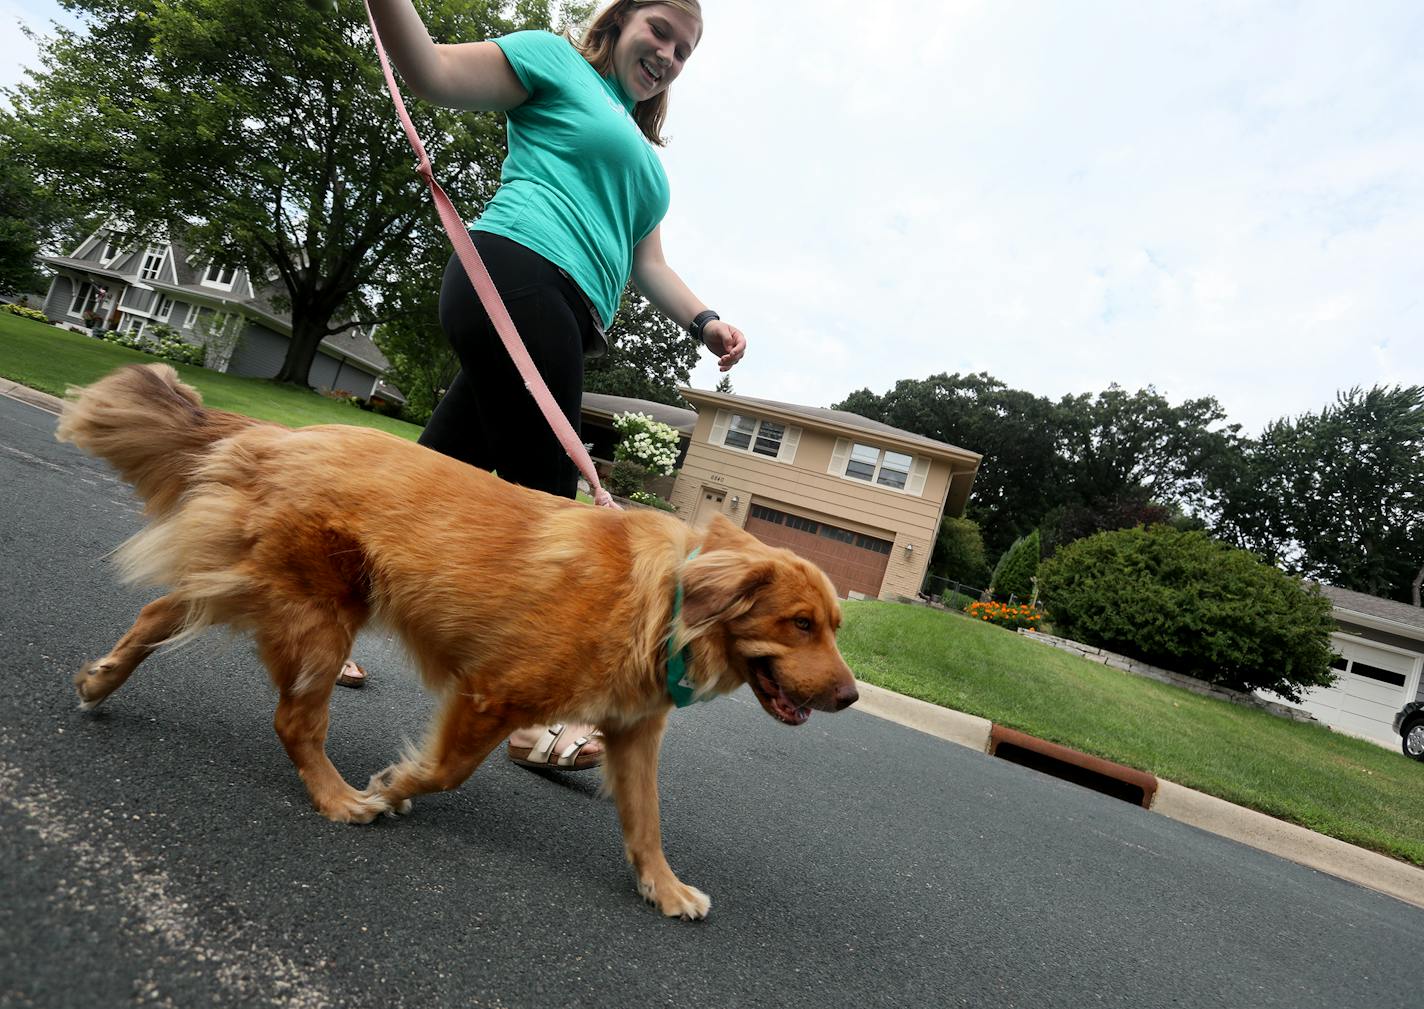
x: 726, y: 341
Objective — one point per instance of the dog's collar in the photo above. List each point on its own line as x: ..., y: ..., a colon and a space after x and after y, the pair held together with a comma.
x: 679, y: 687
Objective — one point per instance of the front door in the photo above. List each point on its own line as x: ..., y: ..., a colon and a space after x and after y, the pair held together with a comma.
x: 708, y: 505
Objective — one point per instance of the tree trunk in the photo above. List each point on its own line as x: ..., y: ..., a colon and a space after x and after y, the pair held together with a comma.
x: 1414, y: 585
x: 307, y: 335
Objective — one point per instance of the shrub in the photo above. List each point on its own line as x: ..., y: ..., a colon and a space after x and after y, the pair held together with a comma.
x: 24, y: 312
x: 959, y: 552
x: 161, y: 341
x: 956, y: 600
x: 1189, y: 603
x: 651, y: 499
x: 650, y: 443
x: 1004, y: 615
x: 627, y: 478
x: 1015, y: 572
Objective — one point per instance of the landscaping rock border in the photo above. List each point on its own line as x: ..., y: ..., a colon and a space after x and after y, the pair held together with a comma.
x: 1140, y: 668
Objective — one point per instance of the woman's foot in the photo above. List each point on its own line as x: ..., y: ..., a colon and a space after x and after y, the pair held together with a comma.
x: 351, y: 675
x: 565, y: 747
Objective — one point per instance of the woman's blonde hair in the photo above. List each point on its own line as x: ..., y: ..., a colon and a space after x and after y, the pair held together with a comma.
x: 597, y: 47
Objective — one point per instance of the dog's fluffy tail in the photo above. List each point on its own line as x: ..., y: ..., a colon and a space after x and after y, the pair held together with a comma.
x: 150, y: 426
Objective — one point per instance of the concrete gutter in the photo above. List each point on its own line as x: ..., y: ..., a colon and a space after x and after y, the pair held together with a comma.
x: 1257, y: 830
x: 1286, y: 840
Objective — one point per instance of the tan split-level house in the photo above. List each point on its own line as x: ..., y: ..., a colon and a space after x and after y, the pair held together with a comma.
x: 861, y: 499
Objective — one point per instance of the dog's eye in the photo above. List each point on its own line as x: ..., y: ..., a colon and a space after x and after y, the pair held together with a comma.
x: 804, y: 623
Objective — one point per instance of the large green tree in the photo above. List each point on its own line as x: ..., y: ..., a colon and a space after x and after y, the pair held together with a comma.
x: 1021, y: 476
x: 1082, y: 464
x: 648, y: 357
x: 1339, y: 494
x: 261, y: 129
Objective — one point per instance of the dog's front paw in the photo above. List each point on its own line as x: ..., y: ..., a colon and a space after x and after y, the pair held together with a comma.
x: 676, y: 899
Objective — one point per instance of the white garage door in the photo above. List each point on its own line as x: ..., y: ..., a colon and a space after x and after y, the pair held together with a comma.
x: 1374, y: 682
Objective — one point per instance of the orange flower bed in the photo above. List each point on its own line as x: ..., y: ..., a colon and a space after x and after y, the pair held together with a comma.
x: 1004, y: 615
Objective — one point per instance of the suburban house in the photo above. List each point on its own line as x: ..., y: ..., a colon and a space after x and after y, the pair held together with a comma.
x: 1380, y: 644
x: 859, y: 498
x: 107, y: 283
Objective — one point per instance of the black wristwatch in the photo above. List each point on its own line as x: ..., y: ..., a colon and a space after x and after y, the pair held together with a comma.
x: 700, y: 323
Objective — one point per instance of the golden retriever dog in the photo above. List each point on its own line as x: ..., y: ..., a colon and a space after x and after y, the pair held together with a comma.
x: 518, y: 608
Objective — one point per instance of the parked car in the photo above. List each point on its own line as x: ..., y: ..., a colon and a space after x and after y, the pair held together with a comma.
x: 1409, y: 723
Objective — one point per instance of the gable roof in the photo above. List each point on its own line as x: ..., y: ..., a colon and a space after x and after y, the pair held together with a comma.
x: 1362, y: 604
x: 601, y: 405
x: 840, y: 421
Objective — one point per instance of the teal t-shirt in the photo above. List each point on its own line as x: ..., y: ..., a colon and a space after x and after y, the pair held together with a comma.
x: 580, y: 185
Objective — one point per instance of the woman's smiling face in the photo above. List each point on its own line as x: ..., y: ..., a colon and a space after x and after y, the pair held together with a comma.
x: 653, y: 45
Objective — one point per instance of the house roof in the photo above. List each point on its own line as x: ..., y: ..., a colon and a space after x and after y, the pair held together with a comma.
x: 601, y: 405
x: 840, y: 420
x: 1362, y: 604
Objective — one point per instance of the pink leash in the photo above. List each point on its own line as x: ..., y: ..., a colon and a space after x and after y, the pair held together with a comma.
x: 489, y: 295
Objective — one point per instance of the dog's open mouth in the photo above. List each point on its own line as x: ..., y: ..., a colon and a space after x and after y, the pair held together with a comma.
x: 772, y: 697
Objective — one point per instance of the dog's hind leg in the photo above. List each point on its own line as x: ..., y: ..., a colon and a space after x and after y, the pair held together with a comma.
x: 304, y: 658
x: 466, y: 731
x: 156, y: 623
x: 631, y: 770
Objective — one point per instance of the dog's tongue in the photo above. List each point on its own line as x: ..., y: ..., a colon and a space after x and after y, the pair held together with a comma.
x: 782, y: 705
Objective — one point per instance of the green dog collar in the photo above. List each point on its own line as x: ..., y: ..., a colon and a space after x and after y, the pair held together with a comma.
x: 679, y: 687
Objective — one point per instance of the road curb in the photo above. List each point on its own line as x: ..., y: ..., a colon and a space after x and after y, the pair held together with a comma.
x: 33, y: 397
x: 1205, y: 812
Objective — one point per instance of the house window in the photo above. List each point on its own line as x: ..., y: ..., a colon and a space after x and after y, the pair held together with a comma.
x: 863, y: 459
x: 894, y: 470
x: 763, y: 437
x: 112, y: 251
x: 135, y: 325
x: 85, y: 299
x: 740, y: 431
x: 165, y: 307
x: 152, y: 263
x: 883, y: 467
x: 220, y: 276
x: 192, y: 316
x: 768, y: 438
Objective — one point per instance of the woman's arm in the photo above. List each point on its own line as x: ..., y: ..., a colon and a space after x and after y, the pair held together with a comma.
x: 669, y: 295
x: 471, y: 75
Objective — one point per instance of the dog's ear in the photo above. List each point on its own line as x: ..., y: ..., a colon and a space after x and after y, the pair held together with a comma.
x: 720, y: 584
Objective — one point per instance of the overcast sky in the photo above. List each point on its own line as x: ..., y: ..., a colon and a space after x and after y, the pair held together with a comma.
x: 1215, y: 197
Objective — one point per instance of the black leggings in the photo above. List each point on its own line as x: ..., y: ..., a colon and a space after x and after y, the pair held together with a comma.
x: 487, y: 419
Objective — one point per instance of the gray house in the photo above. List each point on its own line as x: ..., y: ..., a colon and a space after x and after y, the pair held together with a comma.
x: 110, y: 284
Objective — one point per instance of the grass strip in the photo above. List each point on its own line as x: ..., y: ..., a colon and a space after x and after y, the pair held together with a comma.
x: 51, y: 359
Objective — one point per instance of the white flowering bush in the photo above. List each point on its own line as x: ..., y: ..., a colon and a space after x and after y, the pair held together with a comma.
x: 647, y: 442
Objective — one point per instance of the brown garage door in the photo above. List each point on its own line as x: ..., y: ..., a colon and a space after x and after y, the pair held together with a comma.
x: 855, y: 562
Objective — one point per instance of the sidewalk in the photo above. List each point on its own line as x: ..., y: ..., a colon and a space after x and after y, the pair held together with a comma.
x: 1286, y: 840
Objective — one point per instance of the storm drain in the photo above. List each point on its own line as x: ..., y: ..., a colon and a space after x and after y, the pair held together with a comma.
x: 1116, y: 780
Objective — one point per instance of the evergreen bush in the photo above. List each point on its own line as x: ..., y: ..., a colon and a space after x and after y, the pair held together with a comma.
x: 1188, y: 603
x: 1014, y: 574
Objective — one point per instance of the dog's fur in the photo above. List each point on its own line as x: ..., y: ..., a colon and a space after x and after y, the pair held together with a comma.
x: 519, y: 608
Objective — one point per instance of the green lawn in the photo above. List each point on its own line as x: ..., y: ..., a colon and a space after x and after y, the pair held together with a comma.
x: 1306, y: 774
x: 1303, y: 773
x: 49, y: 359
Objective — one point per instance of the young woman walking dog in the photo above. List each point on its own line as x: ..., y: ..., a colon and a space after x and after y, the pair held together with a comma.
x: 578, y: 211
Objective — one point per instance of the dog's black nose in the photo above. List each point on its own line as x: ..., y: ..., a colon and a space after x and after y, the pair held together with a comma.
x: 846, y: 695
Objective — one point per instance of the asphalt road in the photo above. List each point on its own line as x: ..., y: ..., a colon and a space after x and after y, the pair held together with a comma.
x: 162, y: 852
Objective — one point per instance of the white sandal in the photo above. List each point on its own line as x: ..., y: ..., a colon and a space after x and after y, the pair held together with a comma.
x: 546, y: 752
